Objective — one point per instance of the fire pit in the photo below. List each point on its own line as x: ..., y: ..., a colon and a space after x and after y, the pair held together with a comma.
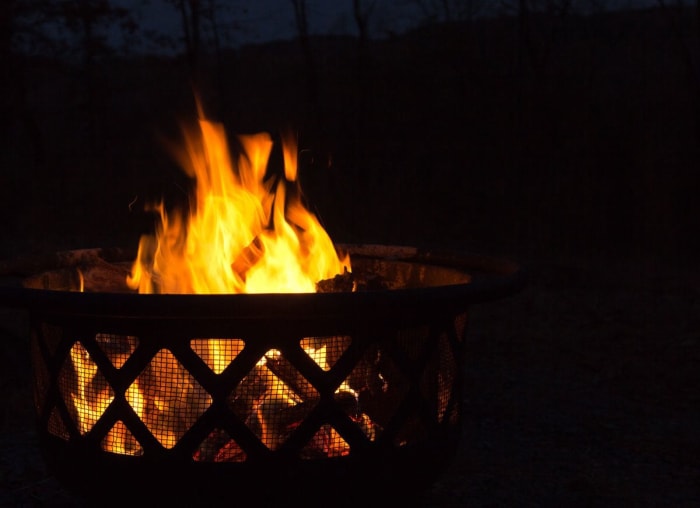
x: 325, y: 397
x: 239, y: 354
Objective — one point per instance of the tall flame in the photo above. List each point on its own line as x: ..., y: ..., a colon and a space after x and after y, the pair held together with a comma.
x: 244, y: 233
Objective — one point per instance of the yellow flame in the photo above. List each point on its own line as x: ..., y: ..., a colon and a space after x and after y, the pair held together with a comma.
x: 245, y: 233
x: 93, y: 395
x: 81, y: 281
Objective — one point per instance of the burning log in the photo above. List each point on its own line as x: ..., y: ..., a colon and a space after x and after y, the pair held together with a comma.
x: 248, y: 257
x: 348, y: 401
x: 289, y: 375
x: 347, y: 281
x: 344, y: 282
x: 251, y: 391
x: 219, y: 447
x: 31, y: 265
x: 230, y: 452
x: 277, y: 415
x: 89, y: 272
x: 104, y: 276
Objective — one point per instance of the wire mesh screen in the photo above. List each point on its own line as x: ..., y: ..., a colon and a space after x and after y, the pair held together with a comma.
x: 231, y: 398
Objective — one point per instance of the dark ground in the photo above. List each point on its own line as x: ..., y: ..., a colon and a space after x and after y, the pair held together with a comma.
x: 580, y: 161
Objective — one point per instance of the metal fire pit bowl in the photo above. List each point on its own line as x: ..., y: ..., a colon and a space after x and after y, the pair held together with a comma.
x: 323, y: 398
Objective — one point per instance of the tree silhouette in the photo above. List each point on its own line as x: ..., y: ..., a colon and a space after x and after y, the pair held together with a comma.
x: 191, y: 20
x: 68, y: 30
x: 687, y: 44
x: 89, y: 21
x: 433, y: 11
x: 302, y: 23
x: 203, y: 38
x: 362, y: 13
x: 18, y: 33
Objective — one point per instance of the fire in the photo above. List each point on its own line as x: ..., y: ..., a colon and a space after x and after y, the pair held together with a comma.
x: 93, y: 396
x: 244, y: 233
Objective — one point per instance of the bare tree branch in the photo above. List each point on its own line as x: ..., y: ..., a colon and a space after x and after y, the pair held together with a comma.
x: 302, y: 23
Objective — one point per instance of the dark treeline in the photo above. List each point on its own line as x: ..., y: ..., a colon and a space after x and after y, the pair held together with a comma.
x: 538, y: 132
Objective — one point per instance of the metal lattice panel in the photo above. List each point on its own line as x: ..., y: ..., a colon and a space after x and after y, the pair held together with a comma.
x: 219, y: 399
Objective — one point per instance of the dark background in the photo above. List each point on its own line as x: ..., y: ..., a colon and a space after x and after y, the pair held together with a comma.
x: 569, y: 143
x: 545, y: 135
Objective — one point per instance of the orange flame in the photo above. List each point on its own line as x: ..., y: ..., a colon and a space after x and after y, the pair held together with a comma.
x: 245, y: 233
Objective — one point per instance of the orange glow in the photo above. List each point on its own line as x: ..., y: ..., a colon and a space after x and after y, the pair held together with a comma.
x: 245, y: 233
x: 93, y: 395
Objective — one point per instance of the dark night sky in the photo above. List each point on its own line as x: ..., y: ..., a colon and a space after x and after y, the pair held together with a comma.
x: 259, y: 21
x: 264, y: 20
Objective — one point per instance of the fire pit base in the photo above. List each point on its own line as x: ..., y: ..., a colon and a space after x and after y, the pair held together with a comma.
x: 373, y: 479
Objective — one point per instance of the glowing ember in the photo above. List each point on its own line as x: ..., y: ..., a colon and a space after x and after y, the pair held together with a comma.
x: 245, y: 234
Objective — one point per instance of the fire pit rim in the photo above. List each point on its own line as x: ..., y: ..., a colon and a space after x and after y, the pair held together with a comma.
x: 490, y: 278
